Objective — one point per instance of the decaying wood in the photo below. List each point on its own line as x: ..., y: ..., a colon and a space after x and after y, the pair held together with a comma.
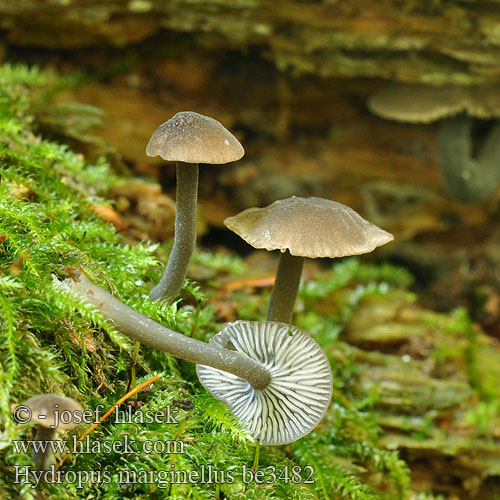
x: 424, y: 376
x: 413, y: 41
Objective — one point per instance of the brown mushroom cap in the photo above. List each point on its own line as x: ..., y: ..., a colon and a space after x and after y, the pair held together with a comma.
x: 193, y: 138
x: 425, y: 103
x: 308, y: 227
x: 44, y: 408
x: 418, y: 103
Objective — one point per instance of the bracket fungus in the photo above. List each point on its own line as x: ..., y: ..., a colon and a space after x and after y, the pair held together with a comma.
x: 303, y: 227
x: 188, y: 138
x: 300, y: 389
x: 51, y: 412
x: 467, y: 178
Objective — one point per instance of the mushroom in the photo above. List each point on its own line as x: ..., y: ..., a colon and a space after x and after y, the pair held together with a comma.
x: 188, y: 138
x: 51, y: 412
x: 467, y: 178
x: 274, y: 377
x: 300, y: 389
x: 303, y: 227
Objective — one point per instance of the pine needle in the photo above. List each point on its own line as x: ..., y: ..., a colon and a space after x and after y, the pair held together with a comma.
x: 108, y: 413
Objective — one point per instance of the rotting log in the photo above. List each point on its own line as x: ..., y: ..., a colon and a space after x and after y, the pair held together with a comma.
x: 430, y: 377
x: 427, y: 42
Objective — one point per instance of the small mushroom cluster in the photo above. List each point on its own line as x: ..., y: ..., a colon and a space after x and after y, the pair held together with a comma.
x: 467, y: 177
x: 274, y: 377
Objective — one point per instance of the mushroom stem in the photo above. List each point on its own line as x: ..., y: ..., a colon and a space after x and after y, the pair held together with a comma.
x: 185, y: 233
x: 469, y: 179
x: 145, y: 330
x: 455, y: 157
x: 285, y: 288
x: 42, y: 455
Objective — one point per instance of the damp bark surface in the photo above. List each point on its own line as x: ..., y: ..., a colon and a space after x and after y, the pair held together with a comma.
x: 433, y: 43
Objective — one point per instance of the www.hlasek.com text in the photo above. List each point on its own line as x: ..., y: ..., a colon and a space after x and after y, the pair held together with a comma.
x: 125, y: 446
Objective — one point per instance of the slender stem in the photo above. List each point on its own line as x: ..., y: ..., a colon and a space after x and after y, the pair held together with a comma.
x: 184, y: 241
x: 195, y: 320
x: 133, y: 370
x: 256, y: 457
x: 489, y: 158
x: 285, y: 288
x: 42, y: 459
x: 145, y: 330
x: 468, y: 177
x: 173, y: 456
x: 185, y: 233
x: 455, y: 157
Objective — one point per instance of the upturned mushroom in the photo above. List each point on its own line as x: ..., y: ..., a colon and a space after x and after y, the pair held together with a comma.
x: 303, y: 227
x: 298, y: 393
x: 188, y: 138
x: 51, y: 412
x: 274, y: 370
x: 467, y: 178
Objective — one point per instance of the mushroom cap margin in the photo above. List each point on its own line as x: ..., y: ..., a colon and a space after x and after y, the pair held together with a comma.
x: 308, y: 227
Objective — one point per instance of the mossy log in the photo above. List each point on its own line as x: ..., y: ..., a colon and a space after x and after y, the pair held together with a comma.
x: 433, y: 380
